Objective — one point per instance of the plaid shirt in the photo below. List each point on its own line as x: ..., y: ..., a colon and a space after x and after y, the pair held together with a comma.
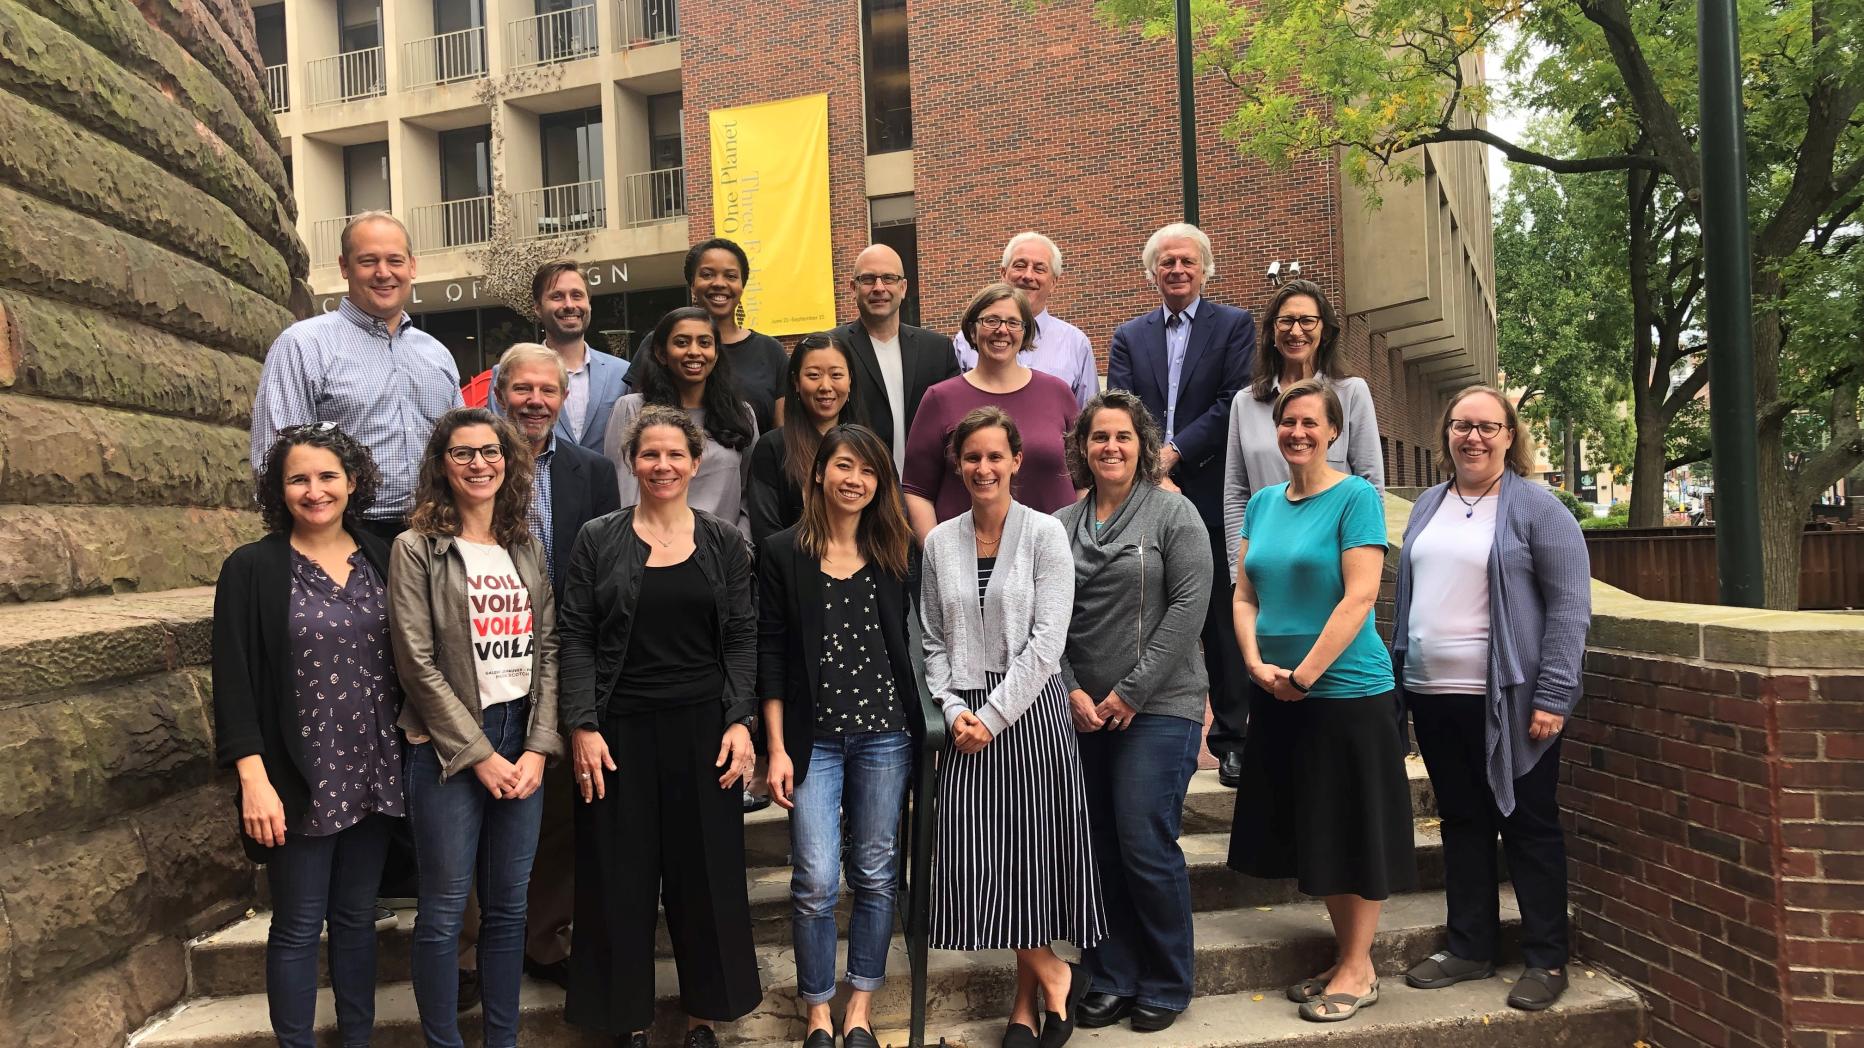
x: 386, y: 390
x: 540, y: 517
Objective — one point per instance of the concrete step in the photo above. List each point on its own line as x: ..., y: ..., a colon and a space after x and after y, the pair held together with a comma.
x: 1266, y: 946
x: 1596, y: 1012
x: 232, y: 961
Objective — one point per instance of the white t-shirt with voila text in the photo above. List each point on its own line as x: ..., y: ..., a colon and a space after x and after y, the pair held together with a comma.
x: 498, y: 611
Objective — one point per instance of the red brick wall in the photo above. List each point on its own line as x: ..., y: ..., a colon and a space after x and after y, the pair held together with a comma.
x: 1717, y: 848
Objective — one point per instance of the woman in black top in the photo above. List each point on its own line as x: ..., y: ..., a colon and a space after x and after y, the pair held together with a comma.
x: 305, y: 692
x: 821, y: 397
x: 841, y: 709
x: 716, y: 271
x: 658, y: 660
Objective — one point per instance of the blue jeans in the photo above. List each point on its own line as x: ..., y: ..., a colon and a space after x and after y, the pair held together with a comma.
x: 316, y: 880
x: 460, y: 832
x: 865, y: 777
x: 1136, y: 781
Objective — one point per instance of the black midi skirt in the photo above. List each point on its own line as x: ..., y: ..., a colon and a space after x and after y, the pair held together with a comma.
x: 1324, y: 797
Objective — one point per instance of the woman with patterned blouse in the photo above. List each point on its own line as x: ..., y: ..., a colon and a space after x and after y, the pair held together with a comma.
x: 842, y: 714
x: 305, y: 701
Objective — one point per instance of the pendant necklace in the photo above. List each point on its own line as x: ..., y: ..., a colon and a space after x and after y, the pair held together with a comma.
x: 1469, y: 506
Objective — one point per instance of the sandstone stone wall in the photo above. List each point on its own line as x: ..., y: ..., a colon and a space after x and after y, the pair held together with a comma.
x: 147, y: 259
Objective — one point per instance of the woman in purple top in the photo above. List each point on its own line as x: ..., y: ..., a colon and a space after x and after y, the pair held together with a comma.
x: 999, y: 323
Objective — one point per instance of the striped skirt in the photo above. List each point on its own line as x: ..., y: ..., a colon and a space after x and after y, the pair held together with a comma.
x: 1014, y: 866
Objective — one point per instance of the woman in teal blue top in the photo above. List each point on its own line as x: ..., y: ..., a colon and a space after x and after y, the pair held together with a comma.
x: 1324, y: 798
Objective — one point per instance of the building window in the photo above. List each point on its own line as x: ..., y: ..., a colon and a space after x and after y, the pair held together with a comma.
x: 889, y: 93
x: 359, y: 25
x: 572, y: 146
x: 665, y: 132
x: 365, y: 178
x: 466, y: 163
x: 892, y: 222
x: 268, y: 25
x: 452, y: 16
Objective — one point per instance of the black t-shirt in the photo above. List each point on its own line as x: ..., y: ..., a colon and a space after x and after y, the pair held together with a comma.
x: 673, y: 657
x: 857, y: 693
x: 760, y: 368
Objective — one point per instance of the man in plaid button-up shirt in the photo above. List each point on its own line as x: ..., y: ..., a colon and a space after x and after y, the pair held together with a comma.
x: 363, y: 367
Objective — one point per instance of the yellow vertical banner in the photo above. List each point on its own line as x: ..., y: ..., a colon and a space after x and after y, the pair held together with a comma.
x: 770, y: 194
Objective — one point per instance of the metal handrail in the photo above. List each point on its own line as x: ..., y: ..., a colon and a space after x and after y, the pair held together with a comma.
x: 554, y: 36
x: 916, y: 871
x: 327, y: 239
x: 444, y: 59
x: 451, y: 224
x: 278, y: 88
x: 646, y: 21
x: 655, y: 196
x: 556, y: 210
x: 346, y: 77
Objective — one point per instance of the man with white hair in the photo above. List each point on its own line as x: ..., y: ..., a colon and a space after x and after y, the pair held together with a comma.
x: 1032, y: 262
x: 1186, y: 360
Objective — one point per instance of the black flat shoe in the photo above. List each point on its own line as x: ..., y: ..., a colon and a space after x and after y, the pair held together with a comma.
x: 701, y: 1037
x: 1101, y: 1009
x: 754, y: 803
x: 557, y: 972
x: 1230, y: 769
x: 1147, y: 1019
x: 1016, y: 1035
x: 1055, y: 1029
x: 819, y: 1039
x: 860, y: 1037
x: 1537, y: 989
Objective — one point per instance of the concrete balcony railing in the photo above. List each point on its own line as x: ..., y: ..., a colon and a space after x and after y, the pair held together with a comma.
x: 578, y: 207
x: 347, y: 77
x: 327, y: 240
x: 277, y: 89
x: 555, y: 36
x: 654, y: 196
x: 639, y: 22
x: 445, y: 59
x: 452, y: 224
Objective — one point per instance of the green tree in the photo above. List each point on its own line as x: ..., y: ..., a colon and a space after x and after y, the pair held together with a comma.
x: 1395, y: 74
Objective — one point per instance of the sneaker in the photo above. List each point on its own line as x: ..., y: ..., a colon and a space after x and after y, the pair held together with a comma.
x: 1537, y: 989
x: 1444, y: 968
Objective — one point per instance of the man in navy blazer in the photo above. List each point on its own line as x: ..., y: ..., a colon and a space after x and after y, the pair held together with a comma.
x: 573, y: 486
x: 1186, y: 360
x: 596, y: 379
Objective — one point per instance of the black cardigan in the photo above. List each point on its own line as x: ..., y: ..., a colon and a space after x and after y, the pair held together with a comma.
x: 254, y: 697
x: 789, y: 642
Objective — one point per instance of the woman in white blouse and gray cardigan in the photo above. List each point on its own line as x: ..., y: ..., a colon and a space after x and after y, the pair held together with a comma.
x: 1013, y: 865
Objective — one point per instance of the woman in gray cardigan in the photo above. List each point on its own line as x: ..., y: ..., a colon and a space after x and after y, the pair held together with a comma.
x: 1492, y: 608
x: 1136, y: 692
x: 1013, y: 868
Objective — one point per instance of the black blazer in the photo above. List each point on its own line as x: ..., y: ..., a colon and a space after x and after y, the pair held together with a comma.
x: 582, y: 488
x: 772, y: 502
x: 789, y: 642
x: 254, y: 695
x: 926, y: 359
x: 1216, y: 365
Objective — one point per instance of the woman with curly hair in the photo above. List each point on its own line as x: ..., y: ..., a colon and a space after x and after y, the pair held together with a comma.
x: 683, y: 368
x: 475, y: 642
x: 305, y: 692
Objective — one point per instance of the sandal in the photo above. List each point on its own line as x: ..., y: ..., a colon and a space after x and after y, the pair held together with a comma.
x: 1338, y: 1007
x: 1537, y: 989
x: 1446, y: 969
x: 1306, y: 990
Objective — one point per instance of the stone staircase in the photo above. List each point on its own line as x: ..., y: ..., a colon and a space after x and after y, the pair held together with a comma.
x: 1253, y: 938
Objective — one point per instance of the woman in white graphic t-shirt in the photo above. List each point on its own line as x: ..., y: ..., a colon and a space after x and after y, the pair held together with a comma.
x: 475, y: 644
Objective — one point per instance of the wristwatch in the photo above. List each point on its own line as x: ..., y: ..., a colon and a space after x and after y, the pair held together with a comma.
x: 1295, y: 684
x: 749, y: 722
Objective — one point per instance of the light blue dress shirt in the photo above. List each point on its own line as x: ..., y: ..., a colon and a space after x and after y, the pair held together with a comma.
x: 1177, y: 342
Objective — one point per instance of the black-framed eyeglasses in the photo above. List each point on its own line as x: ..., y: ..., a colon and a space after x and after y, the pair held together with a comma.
x: 1288, y: 322
x: 884, y: 279
x: 1006, y: 323
x: 1489, y: 430
x: 463, y: 454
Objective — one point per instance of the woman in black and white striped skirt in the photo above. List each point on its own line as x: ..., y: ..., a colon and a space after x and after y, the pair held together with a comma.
x: 1013, y: 865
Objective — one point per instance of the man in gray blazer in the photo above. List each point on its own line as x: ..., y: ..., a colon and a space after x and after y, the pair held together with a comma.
x: 597, y: 379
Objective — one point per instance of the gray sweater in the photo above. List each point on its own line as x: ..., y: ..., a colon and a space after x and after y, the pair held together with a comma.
x: 1022, y: 627
x: 1141, y: 591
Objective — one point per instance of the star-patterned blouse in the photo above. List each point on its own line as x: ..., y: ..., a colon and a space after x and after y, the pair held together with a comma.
x: 348, y: 698
x: 857, y: 694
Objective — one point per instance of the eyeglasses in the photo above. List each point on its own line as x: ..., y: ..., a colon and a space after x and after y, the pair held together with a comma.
x: 463, y: 454
x: 1006, y: 323
x: 1462, y: 426
x: 308, y: 427
x: 1286, y: 322
x: 883, y: 279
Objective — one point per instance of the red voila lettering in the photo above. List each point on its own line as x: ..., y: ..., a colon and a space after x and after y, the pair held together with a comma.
x: 502, y: 625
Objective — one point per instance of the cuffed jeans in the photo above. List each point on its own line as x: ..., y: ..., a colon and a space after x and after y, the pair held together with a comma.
x: 460, y: 831
x: 1136, y: 782
x: 315, y: 880
x: 864, y: 777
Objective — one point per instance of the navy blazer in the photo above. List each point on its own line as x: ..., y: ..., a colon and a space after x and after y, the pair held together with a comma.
x: 608, y: 376
x: 1216, y: 365
x: 582, y: 488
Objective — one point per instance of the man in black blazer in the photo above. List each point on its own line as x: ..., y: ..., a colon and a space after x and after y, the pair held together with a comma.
x: 1186, y: 360
x: 896, y: 363
x: 573, y: 486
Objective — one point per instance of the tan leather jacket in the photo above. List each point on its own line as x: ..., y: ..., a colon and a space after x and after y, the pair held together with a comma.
x: 433, y: 650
